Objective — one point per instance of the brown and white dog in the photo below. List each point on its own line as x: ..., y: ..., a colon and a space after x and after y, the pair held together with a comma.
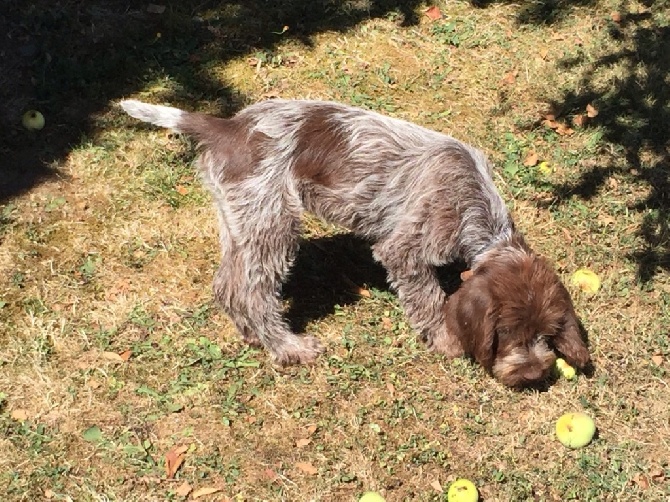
x: 423, y: 199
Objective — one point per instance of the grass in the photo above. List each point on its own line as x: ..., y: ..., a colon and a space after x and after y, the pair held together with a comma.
x: 112, y: 351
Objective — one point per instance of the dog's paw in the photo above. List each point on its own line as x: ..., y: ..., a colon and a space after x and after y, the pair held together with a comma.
x: 297, y: 350
x: 250, y: 338
x: 445, y: 343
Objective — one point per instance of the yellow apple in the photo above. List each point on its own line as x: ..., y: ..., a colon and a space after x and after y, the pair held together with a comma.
x: 575, y: 430
x: 586, y: 280
x: 462, y: 490
x: 371, y: 497
x: 565, y: 369
x: 32, y: 120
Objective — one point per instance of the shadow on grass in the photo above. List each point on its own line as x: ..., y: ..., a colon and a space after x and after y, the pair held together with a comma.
x: 70, y: 59
x: 330, y: 271
x: 634, y: 117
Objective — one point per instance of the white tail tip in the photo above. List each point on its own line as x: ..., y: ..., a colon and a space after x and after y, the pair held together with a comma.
x: 164, y: 116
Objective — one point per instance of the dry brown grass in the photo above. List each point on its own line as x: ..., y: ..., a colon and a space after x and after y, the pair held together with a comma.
x: 118, y: 251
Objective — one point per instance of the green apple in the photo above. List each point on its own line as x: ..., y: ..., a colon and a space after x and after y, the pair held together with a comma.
x: 371, y: 497
x: 586, y: 280
x: 565, y: 369
x: 33, y: 120
x: 462, y: 490
x: 575, y: 430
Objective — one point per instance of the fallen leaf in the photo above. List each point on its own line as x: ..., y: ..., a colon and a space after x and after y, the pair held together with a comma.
x: 270, y: 474
x: 93, y: 383
x: 564, y: 130
x: 616, y: 17
x: 49, y: 493
x: 579, y: 120
x: 184, y: 489
x: 201, y: 492
x: 20, y: 415
x: 586, y: 280
x: 174, y: 459
x: 307, y: 468
x: 550, y: 123
x: 387, y: 324
x: 301, y: 443
x: 112, y: 356
x: 364, y: 292
x: 510, y: 78
x: 591, y: 111
x: 391, y: 388
x: 435, y: 485
x: 531, y: 159
x: 93, y: 434
x: 657, y: 359
x: 657, y: 475
x: 544, y: 53
x: 641, y: 481
x: 251, y: 419
x: 181, y: 190
x: 433, y: 12
x: 155, y: 9
x: 311, y: 429
x: 125, y: 355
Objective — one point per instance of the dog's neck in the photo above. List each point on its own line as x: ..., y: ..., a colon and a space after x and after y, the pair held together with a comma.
x: 507, y: 242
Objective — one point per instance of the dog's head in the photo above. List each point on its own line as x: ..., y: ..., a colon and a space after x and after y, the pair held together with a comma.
x: 511, y: 313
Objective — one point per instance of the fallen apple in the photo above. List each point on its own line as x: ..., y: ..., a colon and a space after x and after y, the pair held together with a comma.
x: 544, y: 168
x: 586, y: 280
x: 575, y: 430
x: 32, y: 120
x: 462, y: 490
x: 565, y: 369
x: 372, y: 497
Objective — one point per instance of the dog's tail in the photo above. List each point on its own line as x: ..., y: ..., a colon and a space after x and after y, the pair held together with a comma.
x: 194, y: 124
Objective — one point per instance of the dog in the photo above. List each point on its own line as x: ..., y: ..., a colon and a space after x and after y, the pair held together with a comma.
x: 421, y: 198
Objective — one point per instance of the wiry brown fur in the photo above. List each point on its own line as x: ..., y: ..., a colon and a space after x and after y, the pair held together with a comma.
x: 423, y: 199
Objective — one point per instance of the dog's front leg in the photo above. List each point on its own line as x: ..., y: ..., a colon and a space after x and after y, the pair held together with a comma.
x: 420, y: 295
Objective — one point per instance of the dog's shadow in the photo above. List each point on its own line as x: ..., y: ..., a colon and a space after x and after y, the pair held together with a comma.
x: 334, y: 271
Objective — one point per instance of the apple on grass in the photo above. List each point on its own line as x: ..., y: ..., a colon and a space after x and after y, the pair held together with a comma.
x: 575, y: 430
x: 371, y: 497
x: 462, y: 490
x: 32, y: 120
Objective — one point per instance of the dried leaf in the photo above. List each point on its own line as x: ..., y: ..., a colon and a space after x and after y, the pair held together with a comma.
x: 20, y: 415
x: 591, y: 111
x: 531, y: 160
x: 364, y: 292
x: 550, y: 123
x: 616, y: 17
x: 93, y: 383
x: 641, y: 481
x: 544, y: 53
x: 301, y: 443
x: 657, y: 359
x: 657, y: 475
x: 112, y: 356
x: 579, y: 120
x: 125, y: 355
x: 311, y: 429
x: 391, y: 388
x: 434, y: 12
x: 387, y: 324
x: 307, y: 468
x: 49, y: 494
x: 564, y: 130
x: 510, y: 78
x: 155, y: 9
x: 201, y: 492
x: 184, y: 489
x: 92, y: 434
x: 174, y: 459
x: 270, y: 474
x: 181, y: 190
x: 435, y: 485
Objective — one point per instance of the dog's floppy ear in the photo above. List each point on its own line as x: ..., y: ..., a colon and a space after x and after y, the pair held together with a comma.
x: 471, y: 317
x: 569, y: 342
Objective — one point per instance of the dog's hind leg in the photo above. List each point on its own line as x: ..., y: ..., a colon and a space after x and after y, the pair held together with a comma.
x: 258, y: 245
x: 419, y: 292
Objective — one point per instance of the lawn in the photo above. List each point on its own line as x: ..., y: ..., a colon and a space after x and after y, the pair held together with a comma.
x: 120, y: 379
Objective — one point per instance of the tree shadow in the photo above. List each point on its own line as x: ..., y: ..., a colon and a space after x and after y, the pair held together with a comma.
x: 634, y: 117
x: 539, y: 12
x: 70, y: 59
x: 330, y: 272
